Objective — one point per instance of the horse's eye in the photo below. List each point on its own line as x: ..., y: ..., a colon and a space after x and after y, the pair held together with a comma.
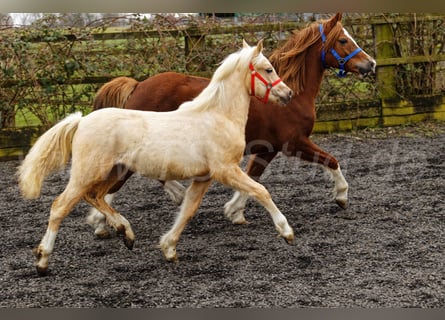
x: 342, y: 41
x: 269, y: 70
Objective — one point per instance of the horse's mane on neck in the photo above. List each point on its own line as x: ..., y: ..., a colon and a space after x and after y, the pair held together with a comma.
x: 214, y: 92
x: 290, y: 60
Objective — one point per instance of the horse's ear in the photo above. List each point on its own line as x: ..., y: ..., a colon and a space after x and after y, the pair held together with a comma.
x: 333, y: 21
x: 338, y: 16
x: 259, y: 46
x: 245, y: 44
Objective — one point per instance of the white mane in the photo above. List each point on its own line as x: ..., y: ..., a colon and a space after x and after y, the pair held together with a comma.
x: 214, y: 92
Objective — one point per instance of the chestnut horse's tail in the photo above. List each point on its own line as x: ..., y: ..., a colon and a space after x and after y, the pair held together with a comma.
x: 51, y: 152
x: 115, y: 93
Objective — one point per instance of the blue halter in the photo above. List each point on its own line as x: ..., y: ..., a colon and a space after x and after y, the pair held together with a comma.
x: 341, y: 61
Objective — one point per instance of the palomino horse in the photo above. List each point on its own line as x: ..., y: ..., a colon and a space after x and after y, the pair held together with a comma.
x: 301, y: 61
x: 202, y: 140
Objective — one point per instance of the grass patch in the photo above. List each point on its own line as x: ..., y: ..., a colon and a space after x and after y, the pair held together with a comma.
x: 26, y: 118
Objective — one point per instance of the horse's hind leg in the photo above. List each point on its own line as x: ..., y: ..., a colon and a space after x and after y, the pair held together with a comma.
x: 96, y: 197
x: 98, y: 221
x: 190, y: 204
x: 116, y: 220
x: 60, y: 208
x: 95, y: 218
x: 234, y: 209
x: 240, y: 181
x: 311, y: 152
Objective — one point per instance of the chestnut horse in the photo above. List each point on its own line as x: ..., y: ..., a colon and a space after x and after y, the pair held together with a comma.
x: 301, y: 62
x: 159, y: 145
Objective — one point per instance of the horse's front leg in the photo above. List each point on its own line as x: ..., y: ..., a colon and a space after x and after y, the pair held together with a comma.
x: 192, y: 200
x: 239, y: 180
x: 234, y: 209
x: 311, y: 152
x: 341, y: 187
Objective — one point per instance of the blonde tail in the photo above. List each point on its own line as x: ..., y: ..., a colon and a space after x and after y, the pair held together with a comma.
x: 50, y: 153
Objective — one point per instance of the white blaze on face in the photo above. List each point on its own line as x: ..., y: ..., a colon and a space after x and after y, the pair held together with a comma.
x: 349, y: 36
x: 353, y: 41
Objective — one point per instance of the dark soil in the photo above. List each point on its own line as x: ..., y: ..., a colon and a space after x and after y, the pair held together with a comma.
x: 385, y: 250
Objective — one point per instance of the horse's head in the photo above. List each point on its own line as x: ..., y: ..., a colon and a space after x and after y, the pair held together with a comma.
x: 341, y: 51
x: 264, y: 82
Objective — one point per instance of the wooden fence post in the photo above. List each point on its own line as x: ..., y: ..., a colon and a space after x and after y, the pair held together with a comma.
x: 194, y: 42
x: 384, y: 48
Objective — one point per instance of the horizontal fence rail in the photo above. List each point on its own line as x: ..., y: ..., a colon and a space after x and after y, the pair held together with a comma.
x: 49, y: 72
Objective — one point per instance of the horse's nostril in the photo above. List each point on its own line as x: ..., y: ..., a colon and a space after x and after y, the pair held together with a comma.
x: 367, y: 68
x: 371, y: 65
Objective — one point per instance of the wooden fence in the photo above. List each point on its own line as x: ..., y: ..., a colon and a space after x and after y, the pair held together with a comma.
x: 384, y: 106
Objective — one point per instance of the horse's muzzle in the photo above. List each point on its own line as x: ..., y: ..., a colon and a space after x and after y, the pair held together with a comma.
x: 286, y: 98
x: 366, y: 68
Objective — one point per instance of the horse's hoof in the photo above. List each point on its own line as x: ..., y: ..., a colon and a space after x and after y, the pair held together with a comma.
x: 240, y: 221
x: 129, y: 243
x: 236, y: 217
x: 342, y: 203
x: 169, y: 253
x: 103, y: 234
x: 120, y: 230
x: 288, y: 239
x: 173, y: 259
x: 41, y: 271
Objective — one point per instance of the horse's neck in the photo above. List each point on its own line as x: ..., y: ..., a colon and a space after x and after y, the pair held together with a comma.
x: 313, y: 75
x: 236, y: 100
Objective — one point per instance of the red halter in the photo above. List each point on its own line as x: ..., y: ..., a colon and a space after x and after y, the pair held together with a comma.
x: 269, y: 85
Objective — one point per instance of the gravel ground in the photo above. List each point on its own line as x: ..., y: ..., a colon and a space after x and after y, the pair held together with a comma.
x: 385, y: 250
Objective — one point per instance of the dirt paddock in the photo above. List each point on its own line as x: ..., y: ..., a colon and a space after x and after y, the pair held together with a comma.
x: 385, y: 250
